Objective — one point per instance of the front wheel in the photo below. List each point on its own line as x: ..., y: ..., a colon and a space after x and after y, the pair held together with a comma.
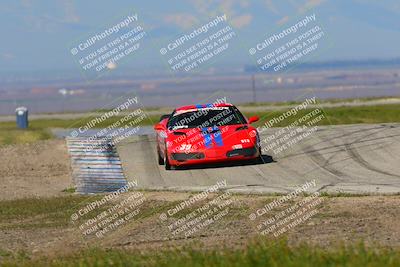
x: 166, y: 162
x: 160, y: 159
x: 259, y: 159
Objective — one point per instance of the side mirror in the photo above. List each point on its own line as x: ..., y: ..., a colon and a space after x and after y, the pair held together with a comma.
x: 164, y: 117
x: 253, y: 119
x: 159, y: 127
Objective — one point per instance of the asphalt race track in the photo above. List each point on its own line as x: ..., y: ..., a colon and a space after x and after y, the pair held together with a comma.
x: 351, y: 159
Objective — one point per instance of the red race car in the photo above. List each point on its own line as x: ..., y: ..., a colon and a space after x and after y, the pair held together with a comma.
x: 208, y: 133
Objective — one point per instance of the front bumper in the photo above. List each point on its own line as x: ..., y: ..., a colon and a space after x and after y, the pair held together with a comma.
x: 212, y: 156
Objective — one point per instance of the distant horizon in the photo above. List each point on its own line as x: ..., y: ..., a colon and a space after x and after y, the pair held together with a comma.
x: 314, y: 65
x: 60, y: 93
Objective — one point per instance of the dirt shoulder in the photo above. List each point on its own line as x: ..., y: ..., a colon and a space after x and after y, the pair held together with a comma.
x: 40, y: 169
x: 35, y: 213
x: 370, y: 219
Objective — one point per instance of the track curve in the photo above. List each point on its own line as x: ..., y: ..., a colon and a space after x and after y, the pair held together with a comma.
x: 348, y: 158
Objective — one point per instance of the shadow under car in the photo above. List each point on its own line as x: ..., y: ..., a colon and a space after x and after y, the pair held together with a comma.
x: 265, y: 159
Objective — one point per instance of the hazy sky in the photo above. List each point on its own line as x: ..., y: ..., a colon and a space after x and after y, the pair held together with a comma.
x: 38, y: 34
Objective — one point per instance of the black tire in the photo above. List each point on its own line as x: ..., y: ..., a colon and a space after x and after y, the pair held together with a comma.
x: 166, y: 162
x: 259, y: 159
x: 160, y: 159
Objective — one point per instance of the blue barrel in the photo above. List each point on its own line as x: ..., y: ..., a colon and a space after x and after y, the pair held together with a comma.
x: 22, y: 117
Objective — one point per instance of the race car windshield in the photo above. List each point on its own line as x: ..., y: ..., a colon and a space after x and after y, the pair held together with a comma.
x: 200, y: 118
